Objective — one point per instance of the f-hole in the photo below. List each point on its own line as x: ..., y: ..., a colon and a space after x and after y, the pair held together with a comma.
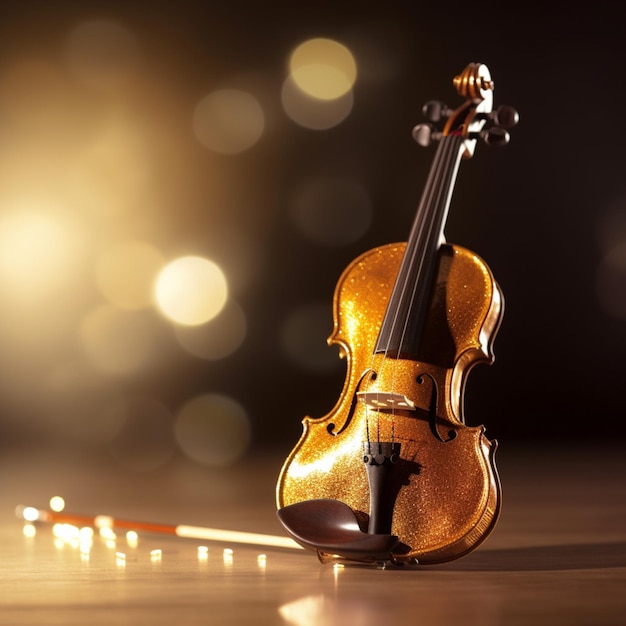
x: 331, y: 427
x: 432, y: 408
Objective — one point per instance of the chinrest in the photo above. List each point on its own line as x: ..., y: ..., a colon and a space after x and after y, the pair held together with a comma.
x: 331, y: 527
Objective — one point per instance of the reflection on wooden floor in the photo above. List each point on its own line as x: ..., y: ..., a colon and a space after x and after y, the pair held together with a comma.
x: 557, y: 556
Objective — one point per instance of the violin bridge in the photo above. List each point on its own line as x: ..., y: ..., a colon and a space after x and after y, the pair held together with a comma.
x: 382, y: 400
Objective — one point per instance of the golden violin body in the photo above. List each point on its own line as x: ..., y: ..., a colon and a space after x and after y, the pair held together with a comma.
x: 442, y: 497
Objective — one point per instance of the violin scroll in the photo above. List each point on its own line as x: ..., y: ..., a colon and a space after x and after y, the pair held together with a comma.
x: 475, y: 119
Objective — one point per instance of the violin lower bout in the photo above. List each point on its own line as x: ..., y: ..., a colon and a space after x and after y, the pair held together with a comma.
x: 442, y: 497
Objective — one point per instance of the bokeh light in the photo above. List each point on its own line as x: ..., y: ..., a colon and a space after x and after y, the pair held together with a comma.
x: 218, y: 338
x: 57, y: 503
x: 102, y: 53
x: 323, y: 68
x: 213, y: 430
x: 38, y: 252
x: 332, y: 211
x: 126, y: 271
x: 303, y: 338
x: 117, y: 341
x: 313, y: 113
x: 228, y: 121
x: 191, y: 290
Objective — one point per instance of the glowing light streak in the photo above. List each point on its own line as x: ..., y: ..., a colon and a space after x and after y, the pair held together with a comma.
x: 180, y: 530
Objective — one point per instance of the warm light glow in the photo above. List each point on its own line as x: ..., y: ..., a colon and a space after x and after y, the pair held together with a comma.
x: 86, y: 533
x: 307, y: 611
x: 212, y: 429
x: 217, y: 339
x: 57, y: 503
x: 30, y: 514
x: 37, y: 252
x: 191, y: 290
x: 68, y: 533
x: 312, y: 113
x: 323, y: 68
x: 29, y: 530
x: 132, y: 538
x: 228, y: 121
x: 85, y: 539
x: 126, y: 273
x: 106, y: 532
x: 227, y: 556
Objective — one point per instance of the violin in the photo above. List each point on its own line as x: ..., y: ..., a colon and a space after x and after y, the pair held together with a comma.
x: 393, y: 475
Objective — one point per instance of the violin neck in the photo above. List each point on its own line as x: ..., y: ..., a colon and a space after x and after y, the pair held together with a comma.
x: 402, y: 326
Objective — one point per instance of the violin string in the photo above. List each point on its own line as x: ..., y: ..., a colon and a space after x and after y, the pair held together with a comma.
x: 428, y: 217
x: 431, y: 212
x: 434, y: 217
x: 427, y: 220
x: 416, y: 234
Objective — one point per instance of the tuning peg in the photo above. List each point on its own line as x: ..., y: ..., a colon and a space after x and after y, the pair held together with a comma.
x: 425, y: 134
x: 434, y: 111
x: 495, y: 136
x: 505, y: 116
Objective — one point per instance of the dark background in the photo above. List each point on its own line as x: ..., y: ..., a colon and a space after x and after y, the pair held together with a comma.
x: 547, y: 213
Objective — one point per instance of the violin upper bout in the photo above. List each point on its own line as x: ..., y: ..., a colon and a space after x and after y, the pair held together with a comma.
x: 473, y: 300
x: 474, y: 312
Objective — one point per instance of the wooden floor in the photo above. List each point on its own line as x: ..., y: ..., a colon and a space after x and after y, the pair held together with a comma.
x: 557, y: 556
